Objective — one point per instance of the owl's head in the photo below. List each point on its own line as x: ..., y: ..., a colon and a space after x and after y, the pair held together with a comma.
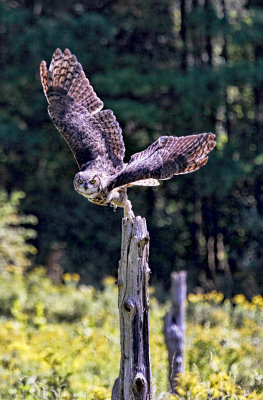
x: 87, y: 183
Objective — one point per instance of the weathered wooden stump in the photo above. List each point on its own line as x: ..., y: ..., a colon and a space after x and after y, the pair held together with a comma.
x: 174, y: 327
x: 134, y: 380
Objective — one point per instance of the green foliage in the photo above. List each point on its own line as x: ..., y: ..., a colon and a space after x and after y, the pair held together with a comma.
x: 44, y: 355
x: 35, y: 300
x: 14, y: 235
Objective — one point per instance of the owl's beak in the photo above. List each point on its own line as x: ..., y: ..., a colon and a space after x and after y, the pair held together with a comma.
x: 85, y: 186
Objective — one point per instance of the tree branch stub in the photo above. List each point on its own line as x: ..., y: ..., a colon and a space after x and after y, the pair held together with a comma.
x: 175, y: 326
x: 134, y: 380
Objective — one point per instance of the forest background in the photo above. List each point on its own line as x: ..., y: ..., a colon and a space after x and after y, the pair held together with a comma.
x: 164, y: 67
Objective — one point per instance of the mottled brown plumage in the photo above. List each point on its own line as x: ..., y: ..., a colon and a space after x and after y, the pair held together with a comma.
x: 95, y: 138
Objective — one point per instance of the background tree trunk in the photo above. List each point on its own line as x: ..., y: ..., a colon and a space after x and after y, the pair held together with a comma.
x: 174, y: 327
x: 134, y: 380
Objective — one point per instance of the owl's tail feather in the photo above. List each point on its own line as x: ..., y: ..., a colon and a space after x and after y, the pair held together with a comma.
x: 65, y: 77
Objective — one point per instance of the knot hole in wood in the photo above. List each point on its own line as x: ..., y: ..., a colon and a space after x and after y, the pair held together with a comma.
x: 143, y: 241
x: 129, y: 306
x: 139, y: 383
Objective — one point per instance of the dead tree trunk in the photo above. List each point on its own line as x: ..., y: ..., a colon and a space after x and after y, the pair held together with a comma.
x: 174, y: 327
x: 134, y: 380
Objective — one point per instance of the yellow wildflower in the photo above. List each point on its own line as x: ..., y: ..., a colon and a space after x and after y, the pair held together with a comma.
x: 240, y: 299
x: 195, y: 298
x: 214, y: 296
x: 258, y: 301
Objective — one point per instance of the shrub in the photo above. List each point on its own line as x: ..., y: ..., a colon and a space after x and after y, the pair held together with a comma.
x: 14, y: 235
x: 62, y: 342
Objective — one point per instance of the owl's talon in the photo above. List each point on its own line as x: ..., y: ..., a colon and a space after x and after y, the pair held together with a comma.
x: 113, y: 206
x: 128, y: 213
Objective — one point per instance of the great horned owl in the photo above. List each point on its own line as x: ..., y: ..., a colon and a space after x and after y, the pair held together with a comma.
x: 95, y: 138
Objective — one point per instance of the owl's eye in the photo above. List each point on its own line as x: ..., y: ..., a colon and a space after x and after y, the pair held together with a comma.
x: 80, y: 181
x: 92, y: 181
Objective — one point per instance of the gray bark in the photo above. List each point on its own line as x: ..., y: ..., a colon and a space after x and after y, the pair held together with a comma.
x: 174, y: 327
x: 134, y: 380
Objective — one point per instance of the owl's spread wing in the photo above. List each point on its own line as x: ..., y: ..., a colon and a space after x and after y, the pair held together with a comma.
x: 77, y: 112
x: 112, y: 135
x: 166, y: 157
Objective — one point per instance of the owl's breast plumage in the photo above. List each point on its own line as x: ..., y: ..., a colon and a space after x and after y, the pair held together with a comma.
x: 99, y: 199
